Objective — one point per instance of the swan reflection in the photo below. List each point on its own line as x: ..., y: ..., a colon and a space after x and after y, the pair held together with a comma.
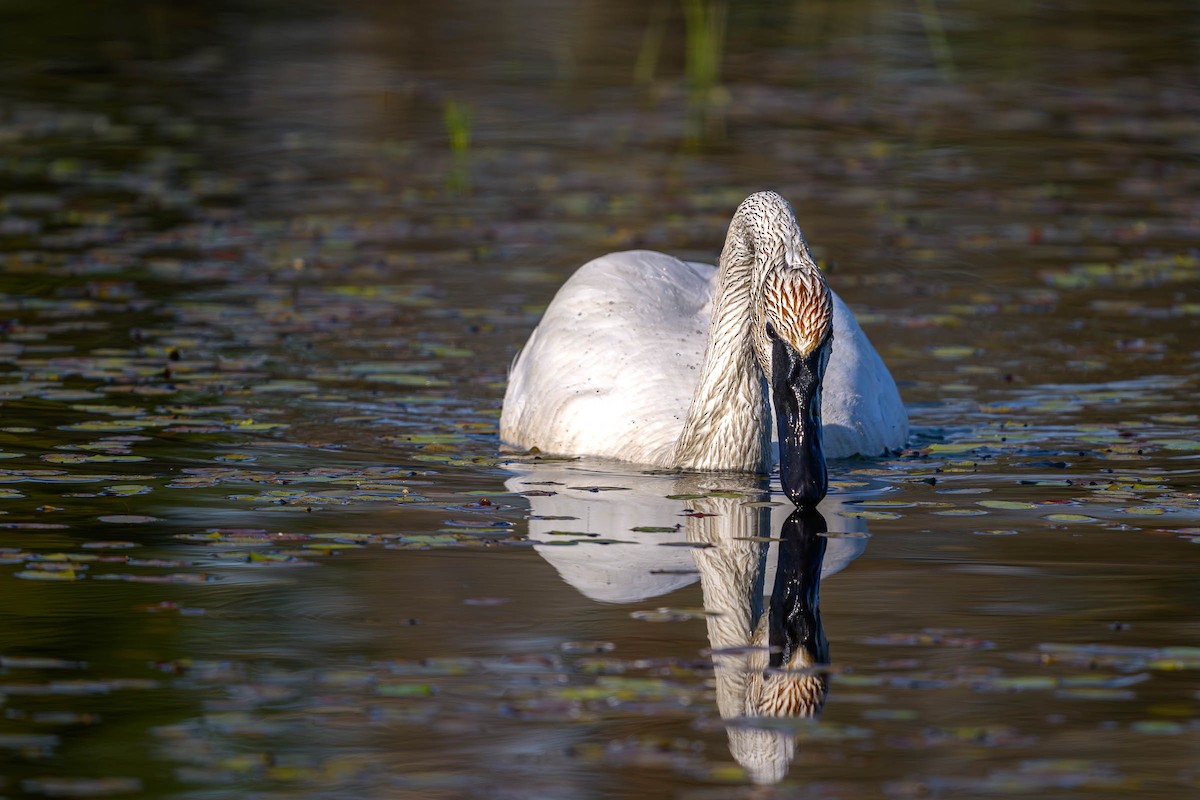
x: 761, y: 591
x: 780, y: 674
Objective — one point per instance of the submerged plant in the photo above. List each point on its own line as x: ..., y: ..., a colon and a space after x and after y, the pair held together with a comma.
x: 705, y: 28
x: 704, y: 44
x: 647, y: 61
x: 457, y: 117
x: 705, y: 24
x: 935, y: 32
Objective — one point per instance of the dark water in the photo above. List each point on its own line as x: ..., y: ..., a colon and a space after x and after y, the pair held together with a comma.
x: 263, y: 268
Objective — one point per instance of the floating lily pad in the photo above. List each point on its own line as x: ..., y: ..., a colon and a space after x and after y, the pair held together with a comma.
x: 81, y: 787
x: 870, y: 514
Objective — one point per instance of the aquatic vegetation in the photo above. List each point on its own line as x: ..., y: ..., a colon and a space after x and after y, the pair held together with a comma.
x: 705, y: 27
x: 457, y: 117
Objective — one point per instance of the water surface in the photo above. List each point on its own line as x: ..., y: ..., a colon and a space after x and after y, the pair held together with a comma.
x: 262, y: 271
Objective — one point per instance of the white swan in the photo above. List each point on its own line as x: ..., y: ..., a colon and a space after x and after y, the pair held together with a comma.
x: 645, y: 358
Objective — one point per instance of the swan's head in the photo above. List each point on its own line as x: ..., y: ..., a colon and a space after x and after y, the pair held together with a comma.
x: 793, y: 338
x: 792, y: 329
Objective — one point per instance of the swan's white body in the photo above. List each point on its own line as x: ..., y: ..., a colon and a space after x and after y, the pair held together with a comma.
x: 613, y: 367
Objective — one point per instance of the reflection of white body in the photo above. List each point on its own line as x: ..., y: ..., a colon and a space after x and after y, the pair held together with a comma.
x: 612, y: 368
x: 611, y: 503
x: 724, y: 548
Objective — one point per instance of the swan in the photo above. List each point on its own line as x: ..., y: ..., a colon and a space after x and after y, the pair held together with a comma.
x: 644, y: 358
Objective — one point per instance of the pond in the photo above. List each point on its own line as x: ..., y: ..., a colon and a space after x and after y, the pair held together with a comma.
x: 263, y: 268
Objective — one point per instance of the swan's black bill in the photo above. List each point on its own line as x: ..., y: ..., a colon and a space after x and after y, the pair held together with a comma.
x: 794, y: 621
x: 796, y: 388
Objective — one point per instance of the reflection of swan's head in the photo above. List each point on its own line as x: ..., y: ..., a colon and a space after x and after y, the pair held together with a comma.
x: 797, y: 690
x: 791, y: 333
x: 764, y: 752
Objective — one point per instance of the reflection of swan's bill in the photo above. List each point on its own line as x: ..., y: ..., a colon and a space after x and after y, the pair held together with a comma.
x: 796, y: 637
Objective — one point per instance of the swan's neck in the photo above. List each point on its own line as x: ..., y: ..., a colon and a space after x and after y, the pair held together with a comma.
x: 727, y: 424
x: 732, y: 566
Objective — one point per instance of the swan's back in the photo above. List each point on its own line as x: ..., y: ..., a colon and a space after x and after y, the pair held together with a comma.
x: 611, y: 368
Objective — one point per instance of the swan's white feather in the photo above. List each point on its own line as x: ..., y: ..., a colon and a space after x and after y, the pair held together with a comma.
x: 612, y: 367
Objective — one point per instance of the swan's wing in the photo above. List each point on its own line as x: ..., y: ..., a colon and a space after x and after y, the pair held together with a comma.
x: 611, y: 368
x: 860, y: 405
